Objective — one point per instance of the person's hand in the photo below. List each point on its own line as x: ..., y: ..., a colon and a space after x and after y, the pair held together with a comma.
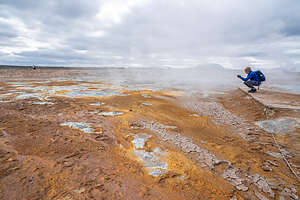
x: 239, y: 76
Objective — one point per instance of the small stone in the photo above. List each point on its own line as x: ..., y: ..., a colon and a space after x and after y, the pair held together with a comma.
x: 80, y: 190
x: 102, y: 148
x: 267, y: 168
x: 67, y: 164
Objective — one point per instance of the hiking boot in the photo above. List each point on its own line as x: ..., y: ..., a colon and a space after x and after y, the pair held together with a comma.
x: 252, y: 90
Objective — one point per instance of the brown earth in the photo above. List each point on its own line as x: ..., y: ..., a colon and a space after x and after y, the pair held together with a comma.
x: 40, y: 159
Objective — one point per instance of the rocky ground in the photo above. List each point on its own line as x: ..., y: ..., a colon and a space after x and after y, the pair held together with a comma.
x: 66, y: 139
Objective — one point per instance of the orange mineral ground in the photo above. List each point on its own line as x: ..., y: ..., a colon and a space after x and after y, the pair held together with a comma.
x: 75, y: 139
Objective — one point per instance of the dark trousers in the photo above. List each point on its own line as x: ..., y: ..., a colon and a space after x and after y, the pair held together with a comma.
x: 251, y: 84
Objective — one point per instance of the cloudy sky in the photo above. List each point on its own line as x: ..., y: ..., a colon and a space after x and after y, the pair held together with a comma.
x: 150, y: 33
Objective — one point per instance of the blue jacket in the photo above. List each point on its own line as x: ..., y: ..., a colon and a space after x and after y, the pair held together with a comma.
x: 252, y: 76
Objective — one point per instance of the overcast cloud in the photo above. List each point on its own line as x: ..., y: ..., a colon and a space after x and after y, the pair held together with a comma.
x: 150, y: 33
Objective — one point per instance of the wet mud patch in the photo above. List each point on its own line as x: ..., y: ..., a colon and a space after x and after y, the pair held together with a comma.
x: 63, y: 89
x: 280, y: 126
x: 79, y: 125
x: 147, y: 104
x: 151, y: 159
x: 42, y: 103
x: 97, y: 104
x: 23, y: 96
x: 111, y: 113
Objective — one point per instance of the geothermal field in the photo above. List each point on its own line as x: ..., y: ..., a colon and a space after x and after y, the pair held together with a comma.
x: 68, y: 133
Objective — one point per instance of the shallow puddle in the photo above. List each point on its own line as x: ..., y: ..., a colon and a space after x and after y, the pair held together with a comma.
x: 29, y: 96
x: 97, y: 104
x: 70, y: 91
x: 112, y: 113
x: 279, y: 126
x: 79, y: 91
x: 151, y: 159
x: 17, y: 84
x: 137, y: 89
x: 42, y: 103
x: 147, y: 104
x: 34, y: 88
x: 79, y: 125
x: 92, y: 93
x: 140, y: 140
x: 146, y: 96
x: 152, y: 162
x: 195, y: 115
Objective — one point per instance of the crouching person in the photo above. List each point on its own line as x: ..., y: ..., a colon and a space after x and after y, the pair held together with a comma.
x: 251, y: 80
